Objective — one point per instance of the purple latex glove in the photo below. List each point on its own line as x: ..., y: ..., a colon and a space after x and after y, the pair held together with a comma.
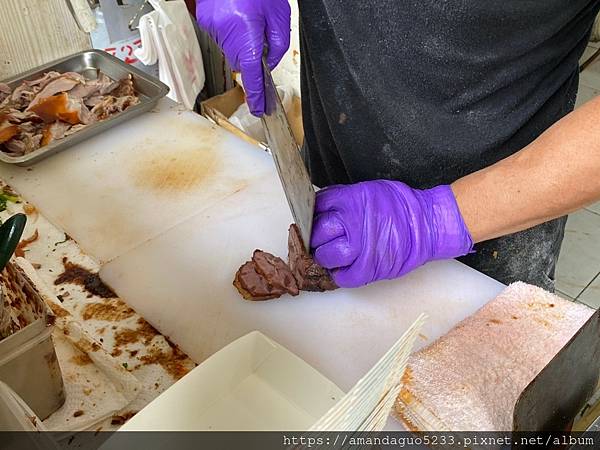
x: 380, y: 229
x: 242, y: 28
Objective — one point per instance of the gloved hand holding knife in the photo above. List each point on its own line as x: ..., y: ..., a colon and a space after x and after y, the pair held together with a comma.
x: 383, y: 229
x: 242, y: 28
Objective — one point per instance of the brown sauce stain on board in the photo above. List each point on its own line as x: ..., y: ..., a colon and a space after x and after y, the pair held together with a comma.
x: 22, y: 245
x: 87, y: 346
x: 174, y: 361
x: 82, y: 359
x: 175, y: 171
x: 58, y: 310
x: 111, y: 310
x: 91, y: 282
x: 144, y: 332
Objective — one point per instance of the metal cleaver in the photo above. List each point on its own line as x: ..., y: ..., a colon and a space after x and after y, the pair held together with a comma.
x: 555, y: 396
x: 292, y: 172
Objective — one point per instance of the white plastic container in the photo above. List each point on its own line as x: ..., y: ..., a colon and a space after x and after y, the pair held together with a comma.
x: 15, y: 415
x: 28, y: 364
x: 252, y: 384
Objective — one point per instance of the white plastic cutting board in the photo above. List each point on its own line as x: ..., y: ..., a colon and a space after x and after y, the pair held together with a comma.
x: 182, y: 283
x: 177, y: 205
x: 119, y: 189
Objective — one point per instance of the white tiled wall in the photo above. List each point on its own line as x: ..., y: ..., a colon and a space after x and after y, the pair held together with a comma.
x: 578, y: 270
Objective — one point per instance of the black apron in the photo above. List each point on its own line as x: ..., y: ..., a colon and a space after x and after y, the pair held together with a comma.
x: 428, y: 91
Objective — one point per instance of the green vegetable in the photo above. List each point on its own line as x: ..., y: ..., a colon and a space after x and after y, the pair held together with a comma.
x: 5, y: 197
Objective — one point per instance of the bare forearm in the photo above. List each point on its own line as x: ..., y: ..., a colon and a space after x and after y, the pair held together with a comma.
x: 556, y: 174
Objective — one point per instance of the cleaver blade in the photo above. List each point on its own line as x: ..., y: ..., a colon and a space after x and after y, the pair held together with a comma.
x: 292, y: 172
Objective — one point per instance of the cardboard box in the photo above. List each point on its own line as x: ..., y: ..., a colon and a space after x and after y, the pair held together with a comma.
x: 220, y: 107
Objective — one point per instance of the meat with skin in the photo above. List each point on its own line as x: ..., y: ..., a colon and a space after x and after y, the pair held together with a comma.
x: 25, y: 142
x: 54, y: 131
x: 26, y: 91
x: 309, y: 275
x: 267, y: 277
x: 64, y: 83
x: 7, y: 131
x: 56, y: 105
x: 64, y: 108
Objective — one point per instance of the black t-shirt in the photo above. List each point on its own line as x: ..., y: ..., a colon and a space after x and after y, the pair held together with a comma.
x: 427, y: 91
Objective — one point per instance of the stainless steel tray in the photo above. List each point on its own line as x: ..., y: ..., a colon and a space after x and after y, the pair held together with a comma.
x: 88, y: 63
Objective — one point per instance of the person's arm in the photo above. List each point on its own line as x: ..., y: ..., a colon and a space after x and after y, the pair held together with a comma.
x: 556, y: 174
x: 384, y: 229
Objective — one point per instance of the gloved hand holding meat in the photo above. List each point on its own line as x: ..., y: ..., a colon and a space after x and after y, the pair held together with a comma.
x: 362, y: 233
x: 382, y: 229
x: 265, y: 276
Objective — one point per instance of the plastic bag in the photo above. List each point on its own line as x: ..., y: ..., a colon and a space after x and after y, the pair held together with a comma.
x: 252, y: 125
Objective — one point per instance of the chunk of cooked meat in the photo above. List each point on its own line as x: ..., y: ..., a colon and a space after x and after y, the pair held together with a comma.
x: 275, y: 271
x: 56, y: 105
x: 23, y: 143
x: 113, y: 105
x: 253, y: 286
x: 5, y: 91
x: 75, y: 128
x: 64, y: 83
x: 267, y: 277
x: 309, y: 275
x: 54, y: 131
x: 24, y: 93
x: 99, y: 87
x: 63, y: 107
x: 7, y: 131
x: 125, y: 88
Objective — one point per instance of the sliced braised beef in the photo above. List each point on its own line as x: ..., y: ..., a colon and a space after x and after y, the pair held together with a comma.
x: 253, y: 286
x: 275, y: 271
x: 309, y: 275
x: 266, y: 276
